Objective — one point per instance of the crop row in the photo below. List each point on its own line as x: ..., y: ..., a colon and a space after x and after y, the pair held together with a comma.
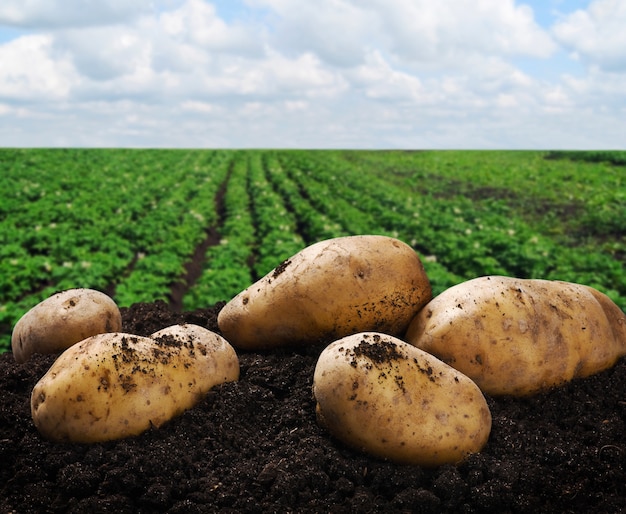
x: 455, y: 242
x: 122, y: 222
x: 318, y: 195
x: 576, y: 203
x: 468, y: 238
x: 613, y: 156
x: 130, y: 222
x: 257, y: 230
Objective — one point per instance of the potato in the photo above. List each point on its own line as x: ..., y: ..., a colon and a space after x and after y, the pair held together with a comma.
x: 62, y: 320
x: 328, y: 290
x: 521, y: 336
x: 383, y: 396
x: 117, y: 385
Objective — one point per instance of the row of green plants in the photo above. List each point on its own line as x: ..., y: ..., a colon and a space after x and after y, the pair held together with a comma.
x: 579, y: 203
x: 617, y: 157
x: 365, y: 203
x: 124, y: 222
x: 467, y: 237
x: 312, y: 225
x: 176, y: 227
x: 128, y: 221
x: 277, y: 236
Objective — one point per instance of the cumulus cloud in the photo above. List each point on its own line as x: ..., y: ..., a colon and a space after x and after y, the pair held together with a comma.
x: 344, y: 31
x: 446, y: 31
x: 103, y: 53
x: 347, y: 73
x: 378, y: 80
x: 196, y: 23
x: 338, y: 31
x: 69, y: 13
x: 29, y: 70
x: 596, y: 35
x: 188, y: 52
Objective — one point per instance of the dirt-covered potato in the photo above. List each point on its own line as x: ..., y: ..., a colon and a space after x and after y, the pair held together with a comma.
x: 328, y: 290
x: 383, y: 396
x: 520, y: 336
x: 62, y: 320
x: 112, y: 386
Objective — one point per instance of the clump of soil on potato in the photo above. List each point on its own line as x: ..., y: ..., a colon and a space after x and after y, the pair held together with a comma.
x: 377, y: 350
x: 255, y: 446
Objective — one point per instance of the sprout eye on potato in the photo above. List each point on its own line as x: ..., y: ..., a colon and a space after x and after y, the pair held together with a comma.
x: 62, y: 320
x: 328, y: 290
x: 520, y: 336
x: 117, y: 385
x: 381, y: 395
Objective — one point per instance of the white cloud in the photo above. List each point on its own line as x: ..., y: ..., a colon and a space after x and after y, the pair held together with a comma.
x: 377, y: 78
x: 185, y: 53
x: 104, y: 53
x: 69, y: 13
x: 338, y: 31
x: 339, y: 73
x: 596, y: 35
x: 27, y: 70
x: 342, y: 32
x: 198, y: 107
x: 304, y: 75
x: 196, y: 23
x: 433, y: 31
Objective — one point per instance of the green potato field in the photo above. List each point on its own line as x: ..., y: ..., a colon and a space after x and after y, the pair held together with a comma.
x: 194, y: 227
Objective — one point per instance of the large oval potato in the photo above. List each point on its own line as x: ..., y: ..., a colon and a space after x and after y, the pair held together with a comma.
x: 116, y: 385
x: 381, y: 395
x: 328, y: 290
x: 62, y: 320
x: 520, y: 336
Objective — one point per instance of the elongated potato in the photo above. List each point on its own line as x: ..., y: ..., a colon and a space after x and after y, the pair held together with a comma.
x: 381, y: 395
x: 62, y: 320
x: 117, y: 385
x: 520, y: 336
x: 328, y: 290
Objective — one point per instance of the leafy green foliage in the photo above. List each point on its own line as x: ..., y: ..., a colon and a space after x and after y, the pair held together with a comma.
x: 612, y: 156
x: 128, y: 221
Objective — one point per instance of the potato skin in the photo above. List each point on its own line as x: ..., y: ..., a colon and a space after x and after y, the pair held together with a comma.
x: 117, y: 385
x: 328, y: 290
x: 520, y: 336
x: 62, y: 320
x: 383, y: 396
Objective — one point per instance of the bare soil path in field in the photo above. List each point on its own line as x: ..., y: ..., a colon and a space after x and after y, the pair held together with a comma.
x: 195, y: 266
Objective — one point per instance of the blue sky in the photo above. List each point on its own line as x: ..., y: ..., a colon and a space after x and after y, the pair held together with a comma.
x: 548, y: 11
x: 324, y: 74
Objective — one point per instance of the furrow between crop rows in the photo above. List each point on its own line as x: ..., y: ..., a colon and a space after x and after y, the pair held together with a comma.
x: 227, y: 264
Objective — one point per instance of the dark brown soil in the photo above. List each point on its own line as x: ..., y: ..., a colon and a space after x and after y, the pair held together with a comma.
x: 255, y: 446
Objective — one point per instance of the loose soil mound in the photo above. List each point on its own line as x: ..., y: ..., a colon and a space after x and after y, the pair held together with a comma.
x: 254, y: 446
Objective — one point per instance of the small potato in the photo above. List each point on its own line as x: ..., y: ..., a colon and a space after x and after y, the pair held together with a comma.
x: 112, y: 386
x: 520, y: 336
x: 328, y: 290
x: 62, y: 320
x: 381, y: 395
